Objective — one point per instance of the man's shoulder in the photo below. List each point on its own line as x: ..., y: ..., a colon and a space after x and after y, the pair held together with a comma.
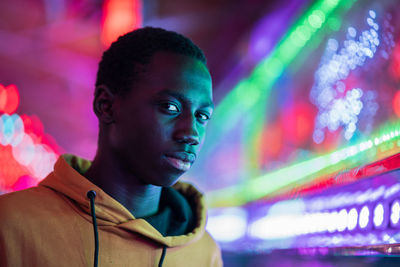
x: 210, y: 242
x: 25, y: 202
x: 216, y: 257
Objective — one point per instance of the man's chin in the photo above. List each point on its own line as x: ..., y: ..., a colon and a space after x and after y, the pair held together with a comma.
x: 163, y: 181
x: 167, y: 182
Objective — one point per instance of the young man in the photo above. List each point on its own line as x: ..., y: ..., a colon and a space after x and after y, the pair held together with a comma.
x: 153, y: 100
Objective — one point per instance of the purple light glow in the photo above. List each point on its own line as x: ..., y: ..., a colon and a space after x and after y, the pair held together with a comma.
x: 395, y: 213
x: 264, y: 37
x: 355, y: 215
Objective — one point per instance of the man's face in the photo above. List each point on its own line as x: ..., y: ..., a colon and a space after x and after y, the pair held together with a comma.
x: 160, y: 124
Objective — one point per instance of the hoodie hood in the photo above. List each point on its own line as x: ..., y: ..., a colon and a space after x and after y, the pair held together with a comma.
x: 67, y: 180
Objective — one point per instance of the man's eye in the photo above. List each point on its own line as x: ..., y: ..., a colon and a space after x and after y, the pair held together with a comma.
x: 203, y: 116
x: 169, y: 107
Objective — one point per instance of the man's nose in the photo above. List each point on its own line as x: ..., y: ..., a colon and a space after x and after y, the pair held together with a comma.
x: 186, y: 130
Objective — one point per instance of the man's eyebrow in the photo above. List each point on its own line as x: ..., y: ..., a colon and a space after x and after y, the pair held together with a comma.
x: 183, y: 98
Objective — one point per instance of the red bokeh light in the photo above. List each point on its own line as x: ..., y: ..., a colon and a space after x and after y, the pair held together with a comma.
x: 271, y: 142
x: 396, y: 103
x: 9, y: 99
x: 298, y: 123
x: 119, y: 17
x: 395, y: 63
x: 24, y: 182
x: 3, y: 97
x: 10, y: 169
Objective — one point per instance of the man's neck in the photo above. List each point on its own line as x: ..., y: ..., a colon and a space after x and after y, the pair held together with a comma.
x: 140, y: 199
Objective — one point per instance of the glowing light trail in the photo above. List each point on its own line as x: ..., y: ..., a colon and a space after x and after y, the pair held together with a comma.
x: 299, y: 173
x: 251, y: 93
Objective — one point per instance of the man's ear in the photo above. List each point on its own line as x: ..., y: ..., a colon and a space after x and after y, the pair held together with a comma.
x: 103, y: 104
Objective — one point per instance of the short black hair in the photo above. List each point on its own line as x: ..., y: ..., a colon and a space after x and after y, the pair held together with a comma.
x: 118, y: 66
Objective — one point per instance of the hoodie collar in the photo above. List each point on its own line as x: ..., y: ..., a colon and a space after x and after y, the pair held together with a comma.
x: 67, y: 180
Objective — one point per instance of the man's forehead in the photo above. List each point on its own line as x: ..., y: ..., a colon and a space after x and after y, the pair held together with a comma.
x: 163, y: 59
x: 173, y: 71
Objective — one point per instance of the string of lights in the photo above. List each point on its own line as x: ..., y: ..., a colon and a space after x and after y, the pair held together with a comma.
x: 338, y: 105
x: 363, y: 213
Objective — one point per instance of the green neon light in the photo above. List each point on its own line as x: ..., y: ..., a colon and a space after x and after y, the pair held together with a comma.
x: 255, y: 89
x: 249, y: 98
x: 284, y: 54
x: 298, y: 173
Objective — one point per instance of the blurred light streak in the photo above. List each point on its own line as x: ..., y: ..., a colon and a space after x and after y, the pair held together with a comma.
x: 227, y: 225
x: 250, y: 95
x: 352, y: 215
x: 277, y: 227
x: 120, y: 17
x: 300, y: 173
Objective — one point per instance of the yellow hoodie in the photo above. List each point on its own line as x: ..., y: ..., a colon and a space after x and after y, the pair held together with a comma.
x: 51, y: 225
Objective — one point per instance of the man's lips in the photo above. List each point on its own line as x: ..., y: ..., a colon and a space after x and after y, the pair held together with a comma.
x: 183, y: 156
x: 180, y: 160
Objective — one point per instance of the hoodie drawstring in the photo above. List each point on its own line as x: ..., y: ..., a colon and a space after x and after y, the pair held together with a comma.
x: 164, y: 251
x: 91, y: 195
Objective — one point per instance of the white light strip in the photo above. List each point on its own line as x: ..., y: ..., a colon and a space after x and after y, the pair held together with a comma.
x: 229, y: 225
